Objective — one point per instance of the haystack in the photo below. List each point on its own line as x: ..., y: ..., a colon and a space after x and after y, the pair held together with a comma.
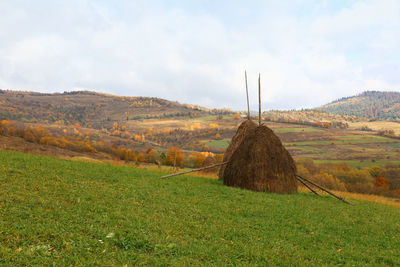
x: 244, y: 128
x: 210, y: 160
x: 261, y: 163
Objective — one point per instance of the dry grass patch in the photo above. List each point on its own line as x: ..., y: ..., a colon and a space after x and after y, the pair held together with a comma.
x: 365, y: 197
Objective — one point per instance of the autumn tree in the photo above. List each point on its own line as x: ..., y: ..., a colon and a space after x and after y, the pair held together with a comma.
x: 3, y: 127
x: 199, y: 159
x: 87, y: 147
x: 115, y: 125
x: 132, y: 155
x: 329, y: 181
x: 141, y: 157
x: 213, y: 126
x: 171, y: 154
x: 137, y: 138
x: 219, y: 157
x: 29, y: 136
x: 153, y: 156
x: 381, y: 182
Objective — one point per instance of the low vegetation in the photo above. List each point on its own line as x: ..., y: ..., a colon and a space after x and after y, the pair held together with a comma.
x: 379, y: 180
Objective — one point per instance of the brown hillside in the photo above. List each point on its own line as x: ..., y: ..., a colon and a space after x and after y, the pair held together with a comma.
x: 90, y: 108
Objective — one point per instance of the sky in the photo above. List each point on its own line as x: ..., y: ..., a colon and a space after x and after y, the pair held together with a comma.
x: 308, y: 52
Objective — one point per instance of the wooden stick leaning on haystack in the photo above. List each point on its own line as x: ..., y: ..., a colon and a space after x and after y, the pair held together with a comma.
x: 306, y: 185
x: 323, y: 189
x: 247, y: 94
x: 299, y: 178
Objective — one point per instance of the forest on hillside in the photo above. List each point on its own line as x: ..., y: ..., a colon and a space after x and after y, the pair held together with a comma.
x: 373, y: 105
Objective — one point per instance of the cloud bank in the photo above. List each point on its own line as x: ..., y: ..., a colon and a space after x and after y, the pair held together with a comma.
x: 308, y: 52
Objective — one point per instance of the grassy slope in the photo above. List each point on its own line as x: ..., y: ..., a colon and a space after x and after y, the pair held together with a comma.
x: 55, y: 210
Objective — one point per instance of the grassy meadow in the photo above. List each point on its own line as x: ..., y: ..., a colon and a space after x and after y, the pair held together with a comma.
x: 61, y: 212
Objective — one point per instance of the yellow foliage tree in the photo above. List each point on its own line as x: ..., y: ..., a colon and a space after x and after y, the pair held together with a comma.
x: 137, y: 137
x: 213, y: 126
x: 170, y: 157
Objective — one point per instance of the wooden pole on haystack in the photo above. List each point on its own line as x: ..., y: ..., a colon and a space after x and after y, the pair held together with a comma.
x: 259, y: 99
x: 323, y: 189
x: 306, y: 185
x: 247, y: 94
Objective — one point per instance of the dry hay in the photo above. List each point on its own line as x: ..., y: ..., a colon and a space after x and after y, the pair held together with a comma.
x: 261, y: 163
x: 244, y: 128
x: 208, y: 162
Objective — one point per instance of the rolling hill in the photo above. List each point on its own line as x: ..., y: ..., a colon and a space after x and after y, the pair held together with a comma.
x: 374, y: 105
x: 93, y: 108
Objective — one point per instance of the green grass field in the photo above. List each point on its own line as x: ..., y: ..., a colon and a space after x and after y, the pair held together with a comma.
x: 224, y: 143
x: 210, y: 118
x: 60, y: 212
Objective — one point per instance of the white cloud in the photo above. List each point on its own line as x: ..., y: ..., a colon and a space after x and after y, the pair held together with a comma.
x: 197, y: 53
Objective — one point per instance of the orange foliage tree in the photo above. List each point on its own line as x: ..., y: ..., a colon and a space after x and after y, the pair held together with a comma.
x: 142, y: 158
x: 3, y: 127
x: 236, y: 117
x: 170, y: 157
x: 381, y: 182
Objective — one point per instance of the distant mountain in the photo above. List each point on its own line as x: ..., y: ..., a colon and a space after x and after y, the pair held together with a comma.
x: 370, y: 104
x: 93, y: 108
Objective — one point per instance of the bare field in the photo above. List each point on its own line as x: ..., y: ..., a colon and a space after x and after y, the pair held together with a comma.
x: 377, y: 125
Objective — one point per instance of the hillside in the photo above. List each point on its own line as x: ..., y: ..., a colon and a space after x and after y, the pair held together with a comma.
x: 91, y: 108
x: 60, y: 212
x: 370, y: 104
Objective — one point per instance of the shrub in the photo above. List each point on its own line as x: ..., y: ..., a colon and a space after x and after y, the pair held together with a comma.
x: 329, y: 181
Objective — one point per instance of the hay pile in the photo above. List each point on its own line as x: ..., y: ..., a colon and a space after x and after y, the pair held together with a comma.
x: 260, y: 162
x: 244, y: 128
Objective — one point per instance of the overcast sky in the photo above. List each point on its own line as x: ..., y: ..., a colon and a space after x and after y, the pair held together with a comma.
x: 308, y: 52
